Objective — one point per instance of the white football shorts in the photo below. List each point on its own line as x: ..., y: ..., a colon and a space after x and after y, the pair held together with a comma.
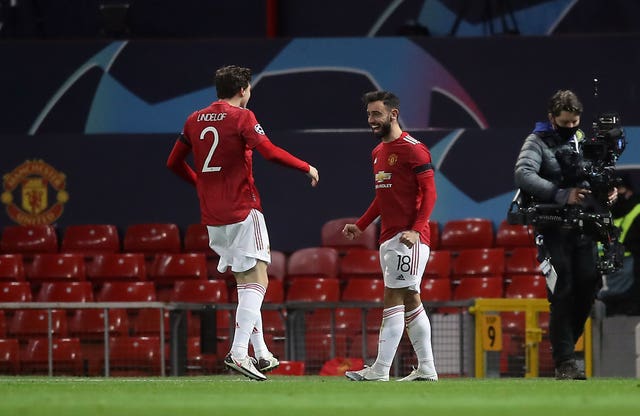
x: 242, y: 244
x: 402, y: 267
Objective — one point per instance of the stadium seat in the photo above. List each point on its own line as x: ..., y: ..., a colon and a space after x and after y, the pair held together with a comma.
x: 435, y: 290
x: 135, y: 356
x: 200, y: 291
x: 56, y: 267
x: 147, y: 322
x: 478, y: 262
x: 527, y: 286
x: 27, y: 323
x: 67, y: 357
x: 522, y: 260
x: 88, y: 324
x: 370, y: 341
x: 152, y: 238
x: 11, y: 268
x: 363, y: 290
x: 127, y: 292
x: 167, y: 268
x: 15, y: 292
x: 318, y: 347
x: 117, y: 267
x: 289, y: 368
x: 29, y: 239
x: 467, y: 233
x: 360, y: 263
x: 3, y: 324
x: 309, y: 289
x: 346, y: 320
x: 313, y: 262
x: 483, y: 287
x: 277, y: 270
x: 196, y: 239
x: 90, y: 239
x: 434, y: 227
x: 9, y: 356
x: 439, y: 265
x: 511, y: 236
x: 331, y: 235
x: 65, y: 292
x: 197, y: 362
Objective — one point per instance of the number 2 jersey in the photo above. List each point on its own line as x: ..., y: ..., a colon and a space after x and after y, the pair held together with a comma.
x: 222, y: 138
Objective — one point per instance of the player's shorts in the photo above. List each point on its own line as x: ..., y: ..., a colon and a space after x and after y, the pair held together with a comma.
x: 242, y: 244
x: 402, y: 267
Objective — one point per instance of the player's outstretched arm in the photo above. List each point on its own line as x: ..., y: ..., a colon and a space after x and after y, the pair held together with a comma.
x: 176, y: 162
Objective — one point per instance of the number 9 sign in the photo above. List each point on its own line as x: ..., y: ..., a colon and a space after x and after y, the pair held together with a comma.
x: 492, y: 333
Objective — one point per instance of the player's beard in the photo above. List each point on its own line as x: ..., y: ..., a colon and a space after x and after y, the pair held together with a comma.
x: 385, y: 129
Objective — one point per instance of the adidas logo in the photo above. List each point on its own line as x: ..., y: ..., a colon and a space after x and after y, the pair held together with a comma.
x: 401, y: 277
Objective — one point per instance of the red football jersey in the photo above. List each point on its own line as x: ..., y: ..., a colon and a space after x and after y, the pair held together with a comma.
x: 398, y: 196
x: 222, y: 137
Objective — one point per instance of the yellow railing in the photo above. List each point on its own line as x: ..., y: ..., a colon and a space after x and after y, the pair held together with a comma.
x: 488, y: 330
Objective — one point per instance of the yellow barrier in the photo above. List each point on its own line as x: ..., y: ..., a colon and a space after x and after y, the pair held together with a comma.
x: 488, y: 332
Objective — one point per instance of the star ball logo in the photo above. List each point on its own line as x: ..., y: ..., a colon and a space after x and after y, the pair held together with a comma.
x: 26, y: 193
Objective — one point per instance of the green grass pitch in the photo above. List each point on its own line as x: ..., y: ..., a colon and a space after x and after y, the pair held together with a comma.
x: 310, y: 395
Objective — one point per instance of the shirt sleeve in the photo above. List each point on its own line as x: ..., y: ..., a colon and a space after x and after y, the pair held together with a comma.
x: 273, y: 153
x: 423, y: 168
x: 370, y: 214
x: 177, y: 163
x: 250, y: 129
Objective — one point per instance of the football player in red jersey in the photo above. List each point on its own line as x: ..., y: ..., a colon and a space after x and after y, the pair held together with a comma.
x: 404, y: 199
x: 222, y: 138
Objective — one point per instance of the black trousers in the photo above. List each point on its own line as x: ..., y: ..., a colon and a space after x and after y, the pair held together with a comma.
x: 573, y: 256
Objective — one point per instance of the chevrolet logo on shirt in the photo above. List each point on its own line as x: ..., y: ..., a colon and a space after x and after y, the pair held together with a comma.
x: 383, y: 176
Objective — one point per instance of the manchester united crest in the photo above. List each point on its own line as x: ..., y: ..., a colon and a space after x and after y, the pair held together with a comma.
x: 34, y: 193
x: 393, y: 158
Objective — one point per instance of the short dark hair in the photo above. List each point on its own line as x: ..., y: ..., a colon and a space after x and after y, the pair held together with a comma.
x: 389, y: 99
x: 230, y: 79
x: 564, y: 100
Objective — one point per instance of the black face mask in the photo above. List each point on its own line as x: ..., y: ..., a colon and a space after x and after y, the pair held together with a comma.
x: 566, y: 132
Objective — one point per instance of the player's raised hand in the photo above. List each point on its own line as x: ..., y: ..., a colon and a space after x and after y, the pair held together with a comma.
x: 313, y: 174
x: 351, y: 231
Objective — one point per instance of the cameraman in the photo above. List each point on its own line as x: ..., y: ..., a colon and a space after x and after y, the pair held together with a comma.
x: 546, y: 172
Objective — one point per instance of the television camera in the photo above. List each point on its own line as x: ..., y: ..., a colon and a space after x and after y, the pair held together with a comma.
x: 595, y: 167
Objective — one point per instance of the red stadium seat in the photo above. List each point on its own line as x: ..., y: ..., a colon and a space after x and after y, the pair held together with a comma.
x: 309, y: 289
x: 196, y: 239
x: 90, y: 239
x: 34, y: 323
x: 197, y: 362
x: 439, y: 265
x: 11, y: 267
x: 331, y: 235
x: 360, y: 263
x: 65, y: 292
x: 522, y: 260
x: 147, y: 322
x: 117, y: 266
x: 152, y: 238
x: 527, y: 286
x: 289, y: 368
x: 346, y: 320
x: 363, y: 290
x: 478, y: 262
x: 467, y: 233
x: 57, y: 266
x: 67, y: 357
x: 318, y: 347
x: 278, y: 268
x: 512, y: 236
x: 483, y: 287
x: 370, y: 341
x: 3, y: 324
x: 88, y: 324
x: 15, y: 292
x: 168, y: 268
x: 135, y: 356
x: 29, y: 239
x: 434, y: 227
x: 127, y: 292
x: 200, y: 291
x: 9, y: 356
x: 313, y: 262
x: 435, y: 290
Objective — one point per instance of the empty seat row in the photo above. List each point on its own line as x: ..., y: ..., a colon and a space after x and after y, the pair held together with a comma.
x: 154, y: 238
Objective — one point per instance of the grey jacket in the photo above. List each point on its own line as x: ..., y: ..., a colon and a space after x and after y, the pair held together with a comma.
x: 538, y: 172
